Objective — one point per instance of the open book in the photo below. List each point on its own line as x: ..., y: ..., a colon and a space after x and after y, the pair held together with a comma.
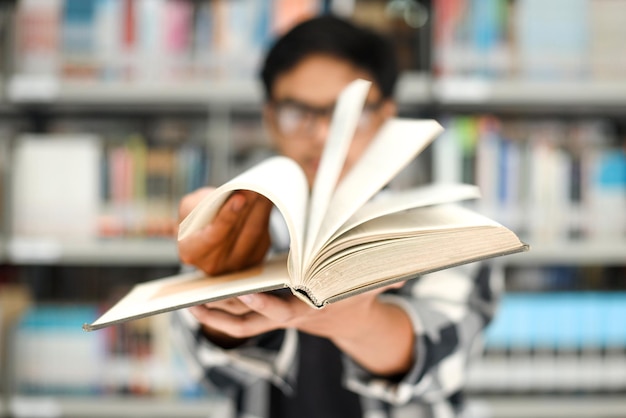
x: 346, y: 236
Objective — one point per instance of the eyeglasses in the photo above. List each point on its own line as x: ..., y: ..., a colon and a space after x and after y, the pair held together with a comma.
x: 294, y: 118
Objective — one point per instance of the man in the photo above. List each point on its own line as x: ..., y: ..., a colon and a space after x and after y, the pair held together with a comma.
x: 375, y: 352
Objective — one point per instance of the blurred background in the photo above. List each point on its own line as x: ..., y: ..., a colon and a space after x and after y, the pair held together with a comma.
x: 111, y: 110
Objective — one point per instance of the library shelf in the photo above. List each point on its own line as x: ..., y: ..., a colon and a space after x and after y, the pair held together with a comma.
x: 546, y: 406
x: 570, y: 253
x: 105, y: 251
x: 592, y: 94
x: 163, y: 251
x: 413, y: 88
x: 23, y: 90
x: 111, y: 406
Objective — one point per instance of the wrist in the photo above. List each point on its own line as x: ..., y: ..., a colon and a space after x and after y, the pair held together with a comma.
x: 383, y: 340
x: 221, y: 339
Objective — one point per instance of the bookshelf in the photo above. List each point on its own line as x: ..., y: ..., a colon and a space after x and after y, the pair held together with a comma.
x: 492, y: 77
x: 514, y: 78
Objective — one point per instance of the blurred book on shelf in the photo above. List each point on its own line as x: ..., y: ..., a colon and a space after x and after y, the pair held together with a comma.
x: 68, y: 186
x: 144, y: 41
x: 37, y: 26
x: 551, y: 180
x: 54, y: 186
x: 529, y: 39
x: 606, y: 48
x: 136, y: 359
x: 554, y: 343
x: 556, y: 277
x: 142, y: 184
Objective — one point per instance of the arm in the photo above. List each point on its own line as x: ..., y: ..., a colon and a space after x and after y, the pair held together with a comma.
x: 217, y: 357
x: 239, y: 236
x: 448, y: 310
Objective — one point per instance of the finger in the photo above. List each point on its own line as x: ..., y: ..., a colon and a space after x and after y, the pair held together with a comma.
x: 229, y: 231
x: 281, y: 311
x: 211, y: 328
x: 253, y: 239
x: 209, y: 247
x: 236, y: 326
x: 191, y: 200
x: 231, y: 305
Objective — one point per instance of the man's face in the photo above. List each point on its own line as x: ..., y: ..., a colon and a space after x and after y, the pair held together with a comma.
x: 299, y: 114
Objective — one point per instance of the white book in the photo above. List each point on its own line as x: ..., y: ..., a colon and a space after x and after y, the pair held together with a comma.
x: 55, y: 185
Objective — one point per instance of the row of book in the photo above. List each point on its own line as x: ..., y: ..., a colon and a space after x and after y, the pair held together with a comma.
x: 94, y: 189
x: 558, y: 39
x: 550, y: 180
x: 561, y: 342
x: 138, y: 358
x: 558, y: 277
x: 149, y: 40
x: 554, y: 342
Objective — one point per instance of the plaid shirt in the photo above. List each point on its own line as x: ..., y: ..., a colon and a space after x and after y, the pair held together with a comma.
x: 448, y: 309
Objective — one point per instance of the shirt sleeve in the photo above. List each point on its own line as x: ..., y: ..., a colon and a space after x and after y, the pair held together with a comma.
x: 270, y: 357
x: 449, y: 310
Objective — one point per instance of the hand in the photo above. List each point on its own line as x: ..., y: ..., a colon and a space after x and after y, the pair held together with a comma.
x: 377, y: 335
x: 237, y: 238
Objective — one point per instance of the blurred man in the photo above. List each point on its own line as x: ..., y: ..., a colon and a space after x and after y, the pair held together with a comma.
x: 377, y: 352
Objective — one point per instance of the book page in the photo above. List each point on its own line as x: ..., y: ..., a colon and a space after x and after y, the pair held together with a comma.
x: 342, y: 127
x: 397, y: 201
x: 279, y: 179
x: 407, y: 243
x: 395, y: 145
x: 190, y: 289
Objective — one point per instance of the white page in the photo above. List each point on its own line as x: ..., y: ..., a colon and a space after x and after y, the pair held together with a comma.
x: 343, y: 125
x: 397, y: 201
x: 424, y: 220
x: 190, y: 289
x: 395, y: 145
x: 279, y: 179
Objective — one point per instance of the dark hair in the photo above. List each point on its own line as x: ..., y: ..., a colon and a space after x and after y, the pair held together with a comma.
x: 331, y: 35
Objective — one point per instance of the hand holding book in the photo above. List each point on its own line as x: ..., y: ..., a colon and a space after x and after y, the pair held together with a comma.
x: 237, y: 238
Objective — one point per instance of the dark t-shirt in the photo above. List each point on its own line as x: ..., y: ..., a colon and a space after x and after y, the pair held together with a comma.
x: 319, y: 391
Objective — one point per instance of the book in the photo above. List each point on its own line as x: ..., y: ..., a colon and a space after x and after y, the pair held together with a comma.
x: 345, y: 236
x: 64, y: 204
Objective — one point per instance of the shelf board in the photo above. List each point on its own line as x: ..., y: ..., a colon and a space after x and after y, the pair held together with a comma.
x: 528, y: 94
x: 539, y: 406
x: 110, y: 406
x: 582, y: 253
x: 114, y: 251
x: 42, y: 91
x: 413, y: 88
x: 545, y: 406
